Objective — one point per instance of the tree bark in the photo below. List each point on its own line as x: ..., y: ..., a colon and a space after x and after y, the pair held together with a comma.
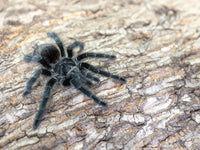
x: 157, y: 48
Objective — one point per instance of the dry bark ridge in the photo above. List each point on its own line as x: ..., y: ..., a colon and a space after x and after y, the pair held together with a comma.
x: 157, y: 47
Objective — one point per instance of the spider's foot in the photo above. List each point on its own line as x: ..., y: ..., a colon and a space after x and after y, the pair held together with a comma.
x: 36, y: 124
x: 51, y: 34
x: 104, y: 104
x: 27, y: 58
x: 123, y: 80
x: 25, y: 93
x: 113, y: 57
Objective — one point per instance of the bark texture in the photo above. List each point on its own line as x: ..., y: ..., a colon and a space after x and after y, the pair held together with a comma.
x: 157, y: 44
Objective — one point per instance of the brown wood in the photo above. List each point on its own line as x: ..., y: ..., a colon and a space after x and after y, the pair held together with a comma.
x: 157, y: 44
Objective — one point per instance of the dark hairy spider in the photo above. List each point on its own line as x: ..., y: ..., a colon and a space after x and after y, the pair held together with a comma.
x: 66, y: 70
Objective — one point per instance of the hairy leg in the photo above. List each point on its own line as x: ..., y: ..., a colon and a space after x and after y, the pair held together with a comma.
x: 71, y: 47
x: 101, y: 72
x: 66, y: 82
x: 45, y: 99
x: 94, y: 55
x: 89, y: 76
x: 58, y: 41
x: 32, y: 80
x: 38, y: 59
x: 87, y: 82
x: 85, y: 91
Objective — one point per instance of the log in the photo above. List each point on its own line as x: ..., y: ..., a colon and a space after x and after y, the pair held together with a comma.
x: 157, y: 48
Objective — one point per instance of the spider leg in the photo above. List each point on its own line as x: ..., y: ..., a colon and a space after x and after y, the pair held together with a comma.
x: 33, y: 79
x: 71, y: 47
x: 58, y: 41
x: 94, y: 55
x: 45, y: 99
x: 90, y: 76
x: 66, y: 82
x: 87, y: 82
x: 84, y: 90
x: 84, y: 80
x: 101, y: 72
x: 38, y: 59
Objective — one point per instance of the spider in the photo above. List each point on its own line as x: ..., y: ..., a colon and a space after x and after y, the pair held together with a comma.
x: 66, y: 70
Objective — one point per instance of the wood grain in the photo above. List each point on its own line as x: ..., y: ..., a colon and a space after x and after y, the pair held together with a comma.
x: 157, y: 48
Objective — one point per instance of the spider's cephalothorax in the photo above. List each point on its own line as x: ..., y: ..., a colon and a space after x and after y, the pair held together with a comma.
x: 66, y: 66
x: 66, y: 70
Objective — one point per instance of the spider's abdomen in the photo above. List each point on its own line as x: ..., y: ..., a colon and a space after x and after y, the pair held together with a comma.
x: 49, y: 52
x: 65, y: 66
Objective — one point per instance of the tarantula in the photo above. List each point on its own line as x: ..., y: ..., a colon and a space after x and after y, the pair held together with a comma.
x: 67, y: 70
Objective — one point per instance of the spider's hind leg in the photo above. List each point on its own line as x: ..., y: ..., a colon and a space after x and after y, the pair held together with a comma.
x: 33, y: 79
x: 85, y: 91
x: 45, y: 99
x: 71, y: 47
x: 38, y: 59
x: 58, y: 41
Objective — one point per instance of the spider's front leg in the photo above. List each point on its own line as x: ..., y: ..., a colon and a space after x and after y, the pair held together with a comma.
x: 101, y: 72
x: 89, y: 76
x: 85, y: 91
x: 87, y: 82
x: 95, y: 55
x: 45, y: 99
x: 33, y: 79
x: 66, y: 82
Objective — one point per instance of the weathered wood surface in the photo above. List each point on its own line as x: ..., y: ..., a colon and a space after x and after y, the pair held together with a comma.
x: 157, y: 47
